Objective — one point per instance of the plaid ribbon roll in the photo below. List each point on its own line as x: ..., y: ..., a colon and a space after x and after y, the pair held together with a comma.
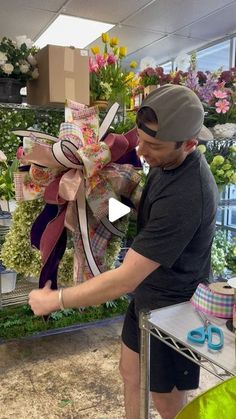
x: 214, y: 303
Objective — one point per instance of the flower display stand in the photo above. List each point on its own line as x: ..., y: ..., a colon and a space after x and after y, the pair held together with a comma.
x: 18, y: 296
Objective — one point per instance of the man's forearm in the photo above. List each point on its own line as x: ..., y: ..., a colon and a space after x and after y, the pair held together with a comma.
x: 107, y: 286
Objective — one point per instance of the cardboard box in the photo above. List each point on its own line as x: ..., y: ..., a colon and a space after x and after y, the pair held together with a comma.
x: 63, y: 74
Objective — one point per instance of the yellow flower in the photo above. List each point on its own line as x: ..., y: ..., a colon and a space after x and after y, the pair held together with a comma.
x: 123, y: 52
x: 95, y: 50
x: 218, y: 160
x: 202, y: 148
x: 114, y: 41
x: 233, y: 178
x: 133, y: 64
x: 105, y: 38
x: 129, y: 76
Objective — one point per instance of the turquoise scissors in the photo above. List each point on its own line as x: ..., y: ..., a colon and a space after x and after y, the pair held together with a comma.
x: 207, y: 332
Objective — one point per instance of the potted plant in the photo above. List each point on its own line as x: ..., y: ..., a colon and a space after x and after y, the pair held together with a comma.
x: 108, y: 80
x: 17, y: 65
x: 7, y: 280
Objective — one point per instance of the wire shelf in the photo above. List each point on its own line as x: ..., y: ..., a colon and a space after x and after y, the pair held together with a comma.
x: 19, y: 295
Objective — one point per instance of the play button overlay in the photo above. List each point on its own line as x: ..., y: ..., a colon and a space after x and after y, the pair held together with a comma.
x: 116, y: 210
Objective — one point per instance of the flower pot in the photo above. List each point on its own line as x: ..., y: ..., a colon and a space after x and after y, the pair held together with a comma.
x: 102, y: 104
x: 7, y: 281
x: 9, y: 206
x: 5, y: 219
x: 10, y: 90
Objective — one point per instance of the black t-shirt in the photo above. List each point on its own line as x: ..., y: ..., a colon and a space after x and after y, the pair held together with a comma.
x: 176, y: 224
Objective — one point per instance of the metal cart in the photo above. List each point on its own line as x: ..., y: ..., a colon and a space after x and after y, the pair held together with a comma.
x: 171, y: 325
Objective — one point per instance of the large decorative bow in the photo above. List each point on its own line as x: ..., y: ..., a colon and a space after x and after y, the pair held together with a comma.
x: 77, y: 174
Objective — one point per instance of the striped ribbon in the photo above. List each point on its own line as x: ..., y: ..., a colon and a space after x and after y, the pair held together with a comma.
x: 213, y: 303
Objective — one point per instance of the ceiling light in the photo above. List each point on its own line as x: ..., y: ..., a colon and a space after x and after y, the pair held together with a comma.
x: 72, y: 31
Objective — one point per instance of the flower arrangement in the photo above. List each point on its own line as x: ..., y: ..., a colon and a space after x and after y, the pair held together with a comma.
x: 216, y: 91
x: 7, y: 190
x: 107, y: 77
x: 17, y: 59
x: 153, y: 76
x: 221, y: 157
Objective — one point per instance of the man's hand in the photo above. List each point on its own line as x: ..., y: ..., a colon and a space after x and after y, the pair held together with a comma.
x: 44, y: 301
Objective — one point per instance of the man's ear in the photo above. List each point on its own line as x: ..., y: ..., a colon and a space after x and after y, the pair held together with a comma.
x: 190, y: 145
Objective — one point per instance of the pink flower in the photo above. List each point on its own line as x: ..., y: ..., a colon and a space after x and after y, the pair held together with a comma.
x: 20, y: 153
x: 101, y: 61
x: 93, y: 67
x: 220, y: 94
x: 222, y: 106
x: 111, y: 59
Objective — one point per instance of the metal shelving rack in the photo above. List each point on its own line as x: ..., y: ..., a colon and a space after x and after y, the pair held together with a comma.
x: 171, y: 325
x: 19, y: 295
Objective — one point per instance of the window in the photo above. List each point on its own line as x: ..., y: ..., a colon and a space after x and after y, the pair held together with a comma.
x: 167, y: 67
x: 214, y: 57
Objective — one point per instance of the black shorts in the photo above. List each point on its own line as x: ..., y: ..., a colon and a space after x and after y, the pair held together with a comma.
x: 168, y: 368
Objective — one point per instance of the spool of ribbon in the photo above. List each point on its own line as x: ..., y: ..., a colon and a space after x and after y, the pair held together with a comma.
x: 216, y: 300
x: 232, y: 283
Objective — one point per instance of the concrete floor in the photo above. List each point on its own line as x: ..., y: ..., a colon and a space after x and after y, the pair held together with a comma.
x: 67, y: 376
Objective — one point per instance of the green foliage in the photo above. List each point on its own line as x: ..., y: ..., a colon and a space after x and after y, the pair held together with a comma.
x: 16, y: 252
x: 231, y: 256
x: 219, y: 251
x: 20, y: 321
x: 11, y: 119
x: 125, y: 125
x: 7, y: 189
x: 65, y: 271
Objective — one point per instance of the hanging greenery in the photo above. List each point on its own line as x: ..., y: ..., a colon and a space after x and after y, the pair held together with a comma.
x: 43, y: 120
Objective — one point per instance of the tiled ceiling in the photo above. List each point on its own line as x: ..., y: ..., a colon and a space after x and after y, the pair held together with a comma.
x: 160, y: 29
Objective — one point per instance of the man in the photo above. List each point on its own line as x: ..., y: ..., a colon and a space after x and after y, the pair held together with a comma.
x: 170, y: 255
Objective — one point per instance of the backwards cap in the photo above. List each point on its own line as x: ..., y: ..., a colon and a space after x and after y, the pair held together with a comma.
x: 179, y: 112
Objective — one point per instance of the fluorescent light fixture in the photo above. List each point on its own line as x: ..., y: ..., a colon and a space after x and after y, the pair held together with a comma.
x: 72, y: 31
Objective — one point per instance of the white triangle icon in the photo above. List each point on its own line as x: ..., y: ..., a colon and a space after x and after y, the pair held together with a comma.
x: 116, y: 210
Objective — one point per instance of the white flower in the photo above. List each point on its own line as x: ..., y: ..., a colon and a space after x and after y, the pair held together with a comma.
x: 21, y: 40
x: 7, y: 68
x: 3, y: 58
x: 2, y: 156
x: 35, y: 73
x: 28, y: 43
x: 24, y: 68
x: 31, y: 59
x: 224, y: 130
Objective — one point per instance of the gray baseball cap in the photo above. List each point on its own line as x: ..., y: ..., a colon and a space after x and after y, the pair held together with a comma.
x: 179, y: 112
